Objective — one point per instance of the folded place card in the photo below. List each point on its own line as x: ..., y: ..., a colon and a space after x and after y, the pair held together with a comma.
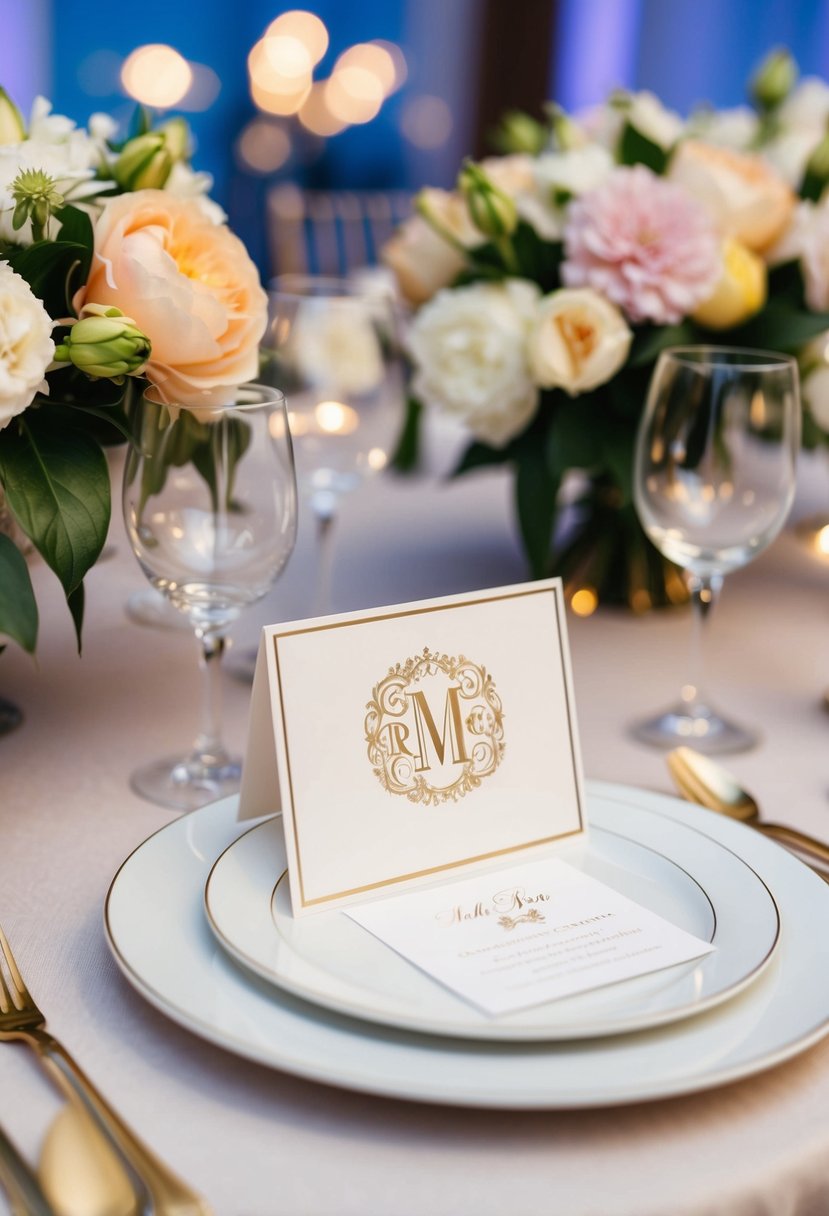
x: 412, y: 741
x: 531, y: 933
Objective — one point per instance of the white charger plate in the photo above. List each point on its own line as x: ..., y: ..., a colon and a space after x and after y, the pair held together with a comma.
x: 158, y: 933
x: 682, y: 876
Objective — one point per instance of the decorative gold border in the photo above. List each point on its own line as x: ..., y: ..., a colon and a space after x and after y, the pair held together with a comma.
x: 556, y: 591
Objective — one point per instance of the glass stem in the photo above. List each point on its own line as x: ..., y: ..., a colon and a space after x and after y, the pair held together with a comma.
x: 208, y: 749
x: 705, y: 591
x: 325, y: 560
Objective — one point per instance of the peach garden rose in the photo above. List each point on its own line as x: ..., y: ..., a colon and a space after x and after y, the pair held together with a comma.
x: 189, y: 284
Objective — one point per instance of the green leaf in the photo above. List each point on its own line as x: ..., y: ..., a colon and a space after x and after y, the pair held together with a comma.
x: 781, y: 327
x: 407, y: 453
x: 75, y: 601
x: 812, y: 186
x: 76, y: 228
x: 636, y: 149
x: 574, y: 439
x: 481, y: 456
x: 50, y: 268
x: 536, y: 490
x: 649, y: 343
x: 617, y: 455
x: 537, y: 259
x: 57, y: 485
x: 18, y: 610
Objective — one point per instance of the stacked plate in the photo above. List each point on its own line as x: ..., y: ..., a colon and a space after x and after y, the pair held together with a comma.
x: 199, y: 920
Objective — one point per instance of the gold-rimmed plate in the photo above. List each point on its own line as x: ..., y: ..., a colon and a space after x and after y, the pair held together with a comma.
x: 679, y: 874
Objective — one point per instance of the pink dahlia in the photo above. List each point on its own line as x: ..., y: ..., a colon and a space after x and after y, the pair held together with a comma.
x: 644, y: 244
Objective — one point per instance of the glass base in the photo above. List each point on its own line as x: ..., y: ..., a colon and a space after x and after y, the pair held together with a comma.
x: 152, y: 608
x: 183, y: 784
x: 10, y: 716
x: 694, y: 726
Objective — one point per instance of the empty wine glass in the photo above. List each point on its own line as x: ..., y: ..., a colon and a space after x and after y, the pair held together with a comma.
x: 210, y: 507
x: 332, y: 347
x: 714, y: 479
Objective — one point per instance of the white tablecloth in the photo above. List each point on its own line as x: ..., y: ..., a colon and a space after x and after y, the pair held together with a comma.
x: 261, y: 1143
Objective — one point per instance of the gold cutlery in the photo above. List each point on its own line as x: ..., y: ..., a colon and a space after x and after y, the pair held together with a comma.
x: 78, y: 1172
x: 158, y: 1190
x: 20, y: 1184
x: 700, y: 779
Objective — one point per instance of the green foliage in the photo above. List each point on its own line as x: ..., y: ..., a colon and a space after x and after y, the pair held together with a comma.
x: 636, y: 149
x: 407, y: 453
x: 57, y: 486
x: 18, y: 609
x: 536, y: 494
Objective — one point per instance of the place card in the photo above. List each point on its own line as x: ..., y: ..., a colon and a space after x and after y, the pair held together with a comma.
x: 529, y: 934
x: 416, y: 740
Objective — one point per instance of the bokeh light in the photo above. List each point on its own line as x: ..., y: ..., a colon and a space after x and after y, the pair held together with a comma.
x: 303, y: 27
x: 282, y: 104
x: 398, y: 59
x: 265, y: 76
x: 204, y: 90
x: 316, y: 116
x: 368, y: 57
x: 288, y: 57
x: 426, y: 121
x: 354, y: 95
x: 156, y: 75
x: 263, y: 147
x: 584, y: 601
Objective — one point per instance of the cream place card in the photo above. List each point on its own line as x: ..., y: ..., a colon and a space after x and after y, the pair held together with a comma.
x: 529, y: 934
x: 417, y: 740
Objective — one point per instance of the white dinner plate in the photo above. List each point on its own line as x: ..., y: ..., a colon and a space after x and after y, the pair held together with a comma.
x: 673, y: 871
x: 158, y: 933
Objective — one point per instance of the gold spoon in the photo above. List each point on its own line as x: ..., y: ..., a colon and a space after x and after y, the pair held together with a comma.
x: 79, y: 1173
x: 700, y: 779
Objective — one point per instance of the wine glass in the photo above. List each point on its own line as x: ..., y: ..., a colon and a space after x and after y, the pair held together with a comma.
x: 714, y: 479
x: 210, y: 507
x: 332, y: 346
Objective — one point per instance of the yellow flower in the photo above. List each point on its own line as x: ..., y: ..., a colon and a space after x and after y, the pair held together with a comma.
x: 740, y: 292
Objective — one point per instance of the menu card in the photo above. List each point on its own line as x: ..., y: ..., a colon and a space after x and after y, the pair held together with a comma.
x: 527, y: 934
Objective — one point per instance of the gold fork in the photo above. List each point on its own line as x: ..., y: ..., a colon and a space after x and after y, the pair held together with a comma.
x: 19, y: 1182
x: 157, y: 1188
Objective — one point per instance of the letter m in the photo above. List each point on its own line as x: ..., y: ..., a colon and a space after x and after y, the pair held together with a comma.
x: 452, y: 727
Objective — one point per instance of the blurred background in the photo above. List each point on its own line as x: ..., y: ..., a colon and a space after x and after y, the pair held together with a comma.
x: 374, y: 98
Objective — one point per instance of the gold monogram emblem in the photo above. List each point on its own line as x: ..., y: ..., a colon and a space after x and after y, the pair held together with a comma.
x: 415, y: 756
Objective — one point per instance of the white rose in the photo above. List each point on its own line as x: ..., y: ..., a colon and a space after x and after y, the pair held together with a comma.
x: 735, y: 128
x: 644, y: 111
x: 335, y: 348
x: 788, y: 153
x: 573, y: 172
x: 655, y: 121
x: 741, y: 192
x: 26, y: 346
x: 807, y: 105
x: 807, y: 240
x: 421, y: 259
x: 579, y: 341
x: 469, y: 349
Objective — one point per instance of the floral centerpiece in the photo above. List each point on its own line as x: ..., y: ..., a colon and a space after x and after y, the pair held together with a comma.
x: 548, y: 282
x: 115, y: 270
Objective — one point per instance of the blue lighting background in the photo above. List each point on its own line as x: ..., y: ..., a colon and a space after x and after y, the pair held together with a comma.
x: 687, y: 51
